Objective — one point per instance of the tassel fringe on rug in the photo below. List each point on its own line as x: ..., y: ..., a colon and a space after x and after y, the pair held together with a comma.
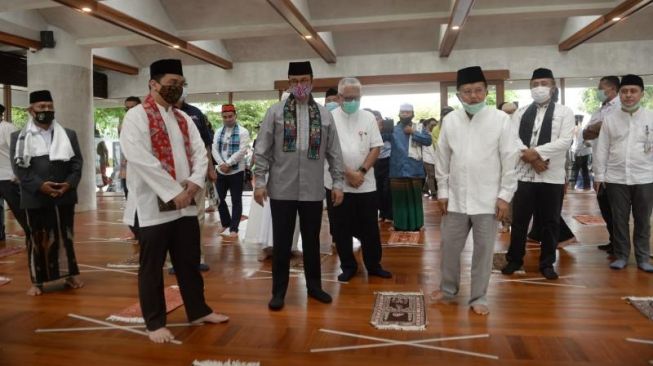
x: 643, y: 304
x: 225, y: 363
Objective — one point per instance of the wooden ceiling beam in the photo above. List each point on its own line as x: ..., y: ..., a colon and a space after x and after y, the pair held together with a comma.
x: 459, y: 14
x: 125, y: 21
x: 112, y: 65
x: 20, y: 42
x: 298, y: 21
x: 605, y: 21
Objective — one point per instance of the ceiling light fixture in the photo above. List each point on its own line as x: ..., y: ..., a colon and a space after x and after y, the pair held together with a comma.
x: 308, y: 37
x: 616, y: 19
x: 175, y: 46
x: 455, y: 27
x: 86, y: 9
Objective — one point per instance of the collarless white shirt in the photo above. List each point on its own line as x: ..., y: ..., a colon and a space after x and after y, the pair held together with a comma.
x: 358, y: 133
x: 625, y: 151
x: 237, y: 158
x: 147, y: 178
x: 6, y: 129
x: 555, y: 151
x: 475, y: 161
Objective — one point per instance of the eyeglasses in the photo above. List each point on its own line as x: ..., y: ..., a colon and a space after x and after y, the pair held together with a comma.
x: 302, y: 81
x: 470, y: 92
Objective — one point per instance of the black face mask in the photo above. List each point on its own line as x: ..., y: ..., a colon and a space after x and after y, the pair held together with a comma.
x: 44, y: 118
x: 171, y: 93
x: 406, y: 120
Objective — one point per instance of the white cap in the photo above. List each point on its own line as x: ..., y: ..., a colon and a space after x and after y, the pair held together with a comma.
x: 406, y: 107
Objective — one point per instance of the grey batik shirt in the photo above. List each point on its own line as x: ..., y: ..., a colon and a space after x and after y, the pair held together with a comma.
x: 292, y: 175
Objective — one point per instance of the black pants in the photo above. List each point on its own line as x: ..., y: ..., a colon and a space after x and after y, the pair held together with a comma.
x: 284, y: 214
x: 382, y: 175
x: 234, y: 184
x: 123, y: 183
x: 581, y: 164
x: 625, y: 199
x: 545, y: 200
x: 182, y: 239
x: 356, y: 217
x: 606, y: 210
x: 10, y: 191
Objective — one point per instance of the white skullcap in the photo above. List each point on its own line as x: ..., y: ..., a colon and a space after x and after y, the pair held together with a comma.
x: 406, y: 107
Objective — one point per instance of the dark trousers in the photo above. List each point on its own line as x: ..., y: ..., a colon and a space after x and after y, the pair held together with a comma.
x: 10, y: 191
x: 233, y: 184
x: 384, y: 194
x: 284, y: 215
x: 606, y: 211
x: 545, y: 200
x: 181, y: 238
x: 356, y: 217
x: 637, y: 198
x: 123, y: 183
x: 581, y: 164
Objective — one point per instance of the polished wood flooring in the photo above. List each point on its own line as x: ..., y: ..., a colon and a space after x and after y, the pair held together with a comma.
x: 529, y: 324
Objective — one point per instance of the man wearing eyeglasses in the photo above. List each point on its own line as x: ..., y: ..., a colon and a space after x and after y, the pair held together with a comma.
x: 543, y: 133
x: 624, y: 167
x: 360, y: 141
x: 296, y: 137
x: 167, y: 167
x: 474, y: 142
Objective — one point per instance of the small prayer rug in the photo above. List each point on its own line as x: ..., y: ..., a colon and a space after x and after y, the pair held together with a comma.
x: 129, y: 263
x: 499, y: 261
x: 643, y: 304
x: 133, y: 314
x: 589, y: 220
x: 4, y: 280
x: 7, y: 251
x: 407, y: 238
x: 224, y: 363
x: 399, y: 311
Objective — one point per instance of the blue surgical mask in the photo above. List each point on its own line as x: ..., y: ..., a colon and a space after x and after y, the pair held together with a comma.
x: 602, y: 96
x: 332, y: 105
x: 632, y: 108
x: 473, y: 108
x: 351, y: 107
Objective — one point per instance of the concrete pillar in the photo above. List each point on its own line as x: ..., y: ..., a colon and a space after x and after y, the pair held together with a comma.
x: 67, y: 71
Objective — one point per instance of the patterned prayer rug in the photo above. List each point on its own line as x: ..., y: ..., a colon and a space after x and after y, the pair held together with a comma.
x: 499, y: 261
x: 403, y: 238
x: 589, y: 220
x: 4, y: 280
x: 133, y: 314
x: 225, y: 363
x: 7, y: 251
x: 643, y: 304
x: 399, y: 311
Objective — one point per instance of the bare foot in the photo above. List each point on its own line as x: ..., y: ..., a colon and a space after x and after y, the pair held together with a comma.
x: 161, y: 335
x: 212, y: 318
x: 440, y: 297
x: 480, y: 309
x: 34, y: 291
x: 73, y: 282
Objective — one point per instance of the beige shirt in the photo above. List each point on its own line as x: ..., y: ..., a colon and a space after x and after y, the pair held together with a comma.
x: 292, y: 175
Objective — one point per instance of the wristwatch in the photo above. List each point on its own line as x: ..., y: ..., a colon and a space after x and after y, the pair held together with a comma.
x: 362, y: 170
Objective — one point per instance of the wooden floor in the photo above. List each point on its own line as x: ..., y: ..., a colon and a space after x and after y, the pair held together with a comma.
x: 529, y: 324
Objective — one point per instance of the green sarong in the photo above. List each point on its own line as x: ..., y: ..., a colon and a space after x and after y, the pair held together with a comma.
x: 408, y: 213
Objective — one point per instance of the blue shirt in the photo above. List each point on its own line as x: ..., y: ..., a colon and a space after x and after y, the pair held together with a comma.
x: 200, y: 122
x: 401, y: 165
x: 386, y: 149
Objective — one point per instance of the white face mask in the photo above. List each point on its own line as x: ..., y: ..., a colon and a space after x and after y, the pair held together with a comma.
x: 541, y: 94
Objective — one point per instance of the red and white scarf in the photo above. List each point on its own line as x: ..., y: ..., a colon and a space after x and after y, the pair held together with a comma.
x: 161, y: 146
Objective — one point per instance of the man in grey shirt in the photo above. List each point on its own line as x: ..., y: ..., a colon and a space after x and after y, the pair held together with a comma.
x: 295, y: 138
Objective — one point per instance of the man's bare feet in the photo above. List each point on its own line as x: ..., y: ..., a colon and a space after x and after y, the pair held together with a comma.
x: 212, y: 318
x: 439, y: 297
x: 161, y: 335
x: 73, y: 282
x: 34, y: 291
x: 480, y: 309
